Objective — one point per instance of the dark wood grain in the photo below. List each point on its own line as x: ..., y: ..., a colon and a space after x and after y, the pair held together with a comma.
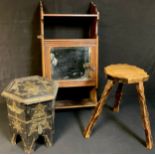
x: 31, y: 110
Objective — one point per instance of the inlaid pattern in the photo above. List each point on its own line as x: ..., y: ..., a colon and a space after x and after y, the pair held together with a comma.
x: 30, y: 90
x: 31, y: 110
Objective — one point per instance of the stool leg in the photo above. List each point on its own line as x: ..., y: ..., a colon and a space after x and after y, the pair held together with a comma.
x: 98, y: 108
x: 118, y: 96
x: 145, y: 115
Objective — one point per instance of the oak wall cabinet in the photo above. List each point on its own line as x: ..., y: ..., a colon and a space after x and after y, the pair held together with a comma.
x: 69, y: 44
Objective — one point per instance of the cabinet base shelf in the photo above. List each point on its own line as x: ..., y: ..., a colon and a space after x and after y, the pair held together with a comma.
x: 72, y: 104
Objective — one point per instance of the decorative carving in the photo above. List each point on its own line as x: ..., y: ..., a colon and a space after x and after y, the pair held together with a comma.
x: 31, y: 90
x: 30, y: 103
x: 17, y: 125
x: 14, y: 108
x: 39, y: 120
x: 38, y: 126
x: 39, y: 111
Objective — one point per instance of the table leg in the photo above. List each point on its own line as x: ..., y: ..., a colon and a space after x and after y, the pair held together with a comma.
x: 29, y: 143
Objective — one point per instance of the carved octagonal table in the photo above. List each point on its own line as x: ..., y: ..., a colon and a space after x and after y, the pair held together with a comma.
x: 30, y: 104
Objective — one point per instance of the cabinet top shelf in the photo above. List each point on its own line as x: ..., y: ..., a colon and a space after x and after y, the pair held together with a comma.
x: 69, y: 15
x: 92, y: 12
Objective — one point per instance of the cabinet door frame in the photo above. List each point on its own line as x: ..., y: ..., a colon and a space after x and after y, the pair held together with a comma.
x: 90, y: 43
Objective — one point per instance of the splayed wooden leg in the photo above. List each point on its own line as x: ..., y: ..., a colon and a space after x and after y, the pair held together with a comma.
x: 118, y: 97
x: 145, y: 115
x: 98, y: 108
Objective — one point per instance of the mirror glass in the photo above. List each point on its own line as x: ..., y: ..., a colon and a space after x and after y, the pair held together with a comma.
x: 70, y: 63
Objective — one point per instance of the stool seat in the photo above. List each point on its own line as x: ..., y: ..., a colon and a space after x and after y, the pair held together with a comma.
x: 126, y: 73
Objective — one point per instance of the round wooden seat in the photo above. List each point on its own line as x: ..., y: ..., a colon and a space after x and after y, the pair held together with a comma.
x: 126, y: 73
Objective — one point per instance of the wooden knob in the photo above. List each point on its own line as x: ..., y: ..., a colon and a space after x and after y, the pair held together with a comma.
x: 39, y: 36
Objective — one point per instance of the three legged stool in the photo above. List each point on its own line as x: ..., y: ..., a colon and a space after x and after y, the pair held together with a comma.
x: 30, y: 104
x: 123, y: 74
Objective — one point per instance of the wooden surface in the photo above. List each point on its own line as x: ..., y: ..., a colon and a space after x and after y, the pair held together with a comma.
x: 71, y: 42
x: 70, y: 15
x: 91, y: 41
x: 70, y: 104
x: 30, y: 122
x: 118, y: 97
x: 76, y: 83
x: 29, y: 90
x: 42, y: 37
x: 126, y: 73
x: 98, y: 109
x: 144, y: 115
x: 118, y: 74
